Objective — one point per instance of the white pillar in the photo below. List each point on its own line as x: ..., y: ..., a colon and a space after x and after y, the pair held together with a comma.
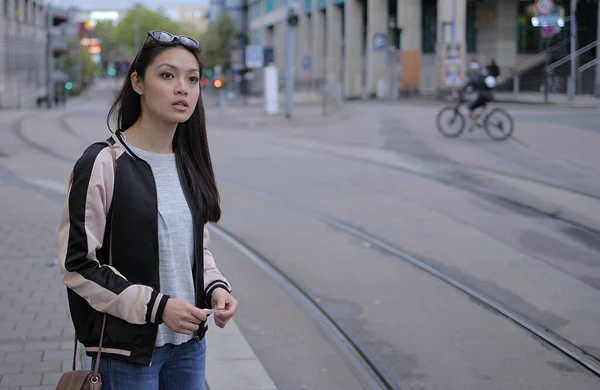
x: 354, y: 45
x: 376, y: 60
x: 334, y: 17
x: 409, y: 21
x: 318, y: 42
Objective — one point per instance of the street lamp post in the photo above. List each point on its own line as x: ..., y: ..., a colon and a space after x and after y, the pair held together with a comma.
x: 598, y: 55
x: 453, y: 30
x: 290, y: 26
x: 573, y: 77
x: 50, y: 57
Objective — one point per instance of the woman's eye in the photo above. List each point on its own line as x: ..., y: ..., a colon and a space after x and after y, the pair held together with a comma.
x: 167, y: 75
x: 194, y: 79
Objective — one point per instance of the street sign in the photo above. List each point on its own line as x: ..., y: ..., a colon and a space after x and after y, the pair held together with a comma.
x: 254, y: 56
x: 549, y: 31
x: 544, y: 7
x: 269, y: 55
x: 306, y: 62
x: 379, y: 42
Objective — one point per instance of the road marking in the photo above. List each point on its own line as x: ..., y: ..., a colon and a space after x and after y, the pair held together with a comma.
x: 231, y: 363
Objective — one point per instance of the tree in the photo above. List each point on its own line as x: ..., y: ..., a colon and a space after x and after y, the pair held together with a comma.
x: 138, y: 21
x: 217, y: 42
x: 112, y: 52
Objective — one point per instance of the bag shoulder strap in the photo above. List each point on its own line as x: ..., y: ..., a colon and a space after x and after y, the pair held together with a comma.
x: 109, y: 217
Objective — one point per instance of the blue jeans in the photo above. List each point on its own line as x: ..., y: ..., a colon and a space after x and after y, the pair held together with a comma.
x: 174, y: 367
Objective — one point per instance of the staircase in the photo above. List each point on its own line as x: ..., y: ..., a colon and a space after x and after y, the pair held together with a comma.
x: 554, y: 64
x: 529, y: 75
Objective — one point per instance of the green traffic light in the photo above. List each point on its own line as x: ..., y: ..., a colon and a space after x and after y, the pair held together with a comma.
x: 208, y: 72
x: 68, y: 85
x: 112, y: 72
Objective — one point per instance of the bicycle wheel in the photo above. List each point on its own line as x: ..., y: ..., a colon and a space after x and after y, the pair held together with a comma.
x: 450, y: 122
x: 498, y: 124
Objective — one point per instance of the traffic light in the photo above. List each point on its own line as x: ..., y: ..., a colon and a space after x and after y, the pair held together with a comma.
x: 68, y: 85
x: 208, y: 73
x: 112, y: 71
x: 217, y: 83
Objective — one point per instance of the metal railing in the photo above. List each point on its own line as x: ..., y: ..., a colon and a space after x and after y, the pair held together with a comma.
x: 567, y: 58
x: 533, y: 61
x: 583, y: 68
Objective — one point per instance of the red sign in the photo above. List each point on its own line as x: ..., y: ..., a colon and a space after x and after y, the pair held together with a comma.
x: 544, y: 7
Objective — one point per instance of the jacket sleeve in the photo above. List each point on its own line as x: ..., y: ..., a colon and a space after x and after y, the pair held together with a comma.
x: 81, y: 232
x: 213, y: 278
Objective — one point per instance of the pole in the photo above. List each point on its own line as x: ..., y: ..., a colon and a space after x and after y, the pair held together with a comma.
x: 50, y: 58
x: 598, y: 55
x: 453, y: 34
x: 289, y: 64
x: 246, y: 32
x: 78, y: 75
x: 573, y: 76
x: 19, y: 67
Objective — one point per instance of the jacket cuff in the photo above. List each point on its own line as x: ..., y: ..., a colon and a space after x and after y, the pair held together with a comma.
x: 212, y: 286
x: 156, y: 307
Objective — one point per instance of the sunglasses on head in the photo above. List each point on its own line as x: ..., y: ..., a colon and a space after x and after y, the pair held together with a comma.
x: 163, y: 36
x: 167, y: 37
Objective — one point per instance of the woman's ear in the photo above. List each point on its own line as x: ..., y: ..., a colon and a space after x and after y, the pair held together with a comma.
x: 137, y: 83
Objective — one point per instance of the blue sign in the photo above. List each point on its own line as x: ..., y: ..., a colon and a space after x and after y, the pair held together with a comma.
x: 379, y: 42
x: 269, y: 55
x: 254, y: 56
x: 306, y: 62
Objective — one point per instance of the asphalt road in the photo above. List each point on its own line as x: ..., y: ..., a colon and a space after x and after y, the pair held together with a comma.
x: 378, y: 170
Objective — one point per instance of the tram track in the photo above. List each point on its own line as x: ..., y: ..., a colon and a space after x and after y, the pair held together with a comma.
x: 553, y: 340
x: 449, y: 176
x: 356, y: 354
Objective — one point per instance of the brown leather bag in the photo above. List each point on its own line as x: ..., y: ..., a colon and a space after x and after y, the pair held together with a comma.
x: 86, y: 379
x: 83, y: 379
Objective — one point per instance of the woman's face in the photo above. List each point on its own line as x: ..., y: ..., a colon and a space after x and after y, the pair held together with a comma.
x: 171, y: 86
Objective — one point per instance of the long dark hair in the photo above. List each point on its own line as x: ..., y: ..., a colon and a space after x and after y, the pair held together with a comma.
x: 190, y: 143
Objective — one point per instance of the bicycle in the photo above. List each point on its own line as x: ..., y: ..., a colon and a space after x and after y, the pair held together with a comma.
x: 497, y: 123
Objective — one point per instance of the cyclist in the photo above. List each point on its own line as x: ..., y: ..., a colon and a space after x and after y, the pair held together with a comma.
x: 482, y: 85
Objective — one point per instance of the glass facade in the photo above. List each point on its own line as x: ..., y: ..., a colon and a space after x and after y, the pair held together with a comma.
x: 529, y: 37
x: 308, y: 6
x: 428, y: 25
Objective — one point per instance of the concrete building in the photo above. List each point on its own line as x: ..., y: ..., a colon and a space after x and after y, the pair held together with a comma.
x: 402, y: 45
x: 23, y: 52
x: 197, y: 17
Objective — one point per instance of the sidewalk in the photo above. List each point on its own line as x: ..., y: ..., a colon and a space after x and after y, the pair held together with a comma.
x: 556, y: 99
x: 36, y: 332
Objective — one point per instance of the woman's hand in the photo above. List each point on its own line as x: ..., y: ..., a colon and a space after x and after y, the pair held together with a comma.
x: 222, y: 300
x: 182, y: 316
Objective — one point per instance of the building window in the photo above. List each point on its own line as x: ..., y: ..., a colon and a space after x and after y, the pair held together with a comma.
x: 308, y: 6
x: 428, y: 25
x: 269, y: 6
x: 471, y: 30
x: 529, y: 38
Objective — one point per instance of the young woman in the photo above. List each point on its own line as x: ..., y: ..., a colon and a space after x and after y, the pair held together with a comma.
x: 147, y: 213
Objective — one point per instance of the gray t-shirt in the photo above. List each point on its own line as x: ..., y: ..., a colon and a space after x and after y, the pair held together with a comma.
x: 175, y: 237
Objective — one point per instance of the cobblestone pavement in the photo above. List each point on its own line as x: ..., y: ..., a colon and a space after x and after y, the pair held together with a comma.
x: 35, y: 329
